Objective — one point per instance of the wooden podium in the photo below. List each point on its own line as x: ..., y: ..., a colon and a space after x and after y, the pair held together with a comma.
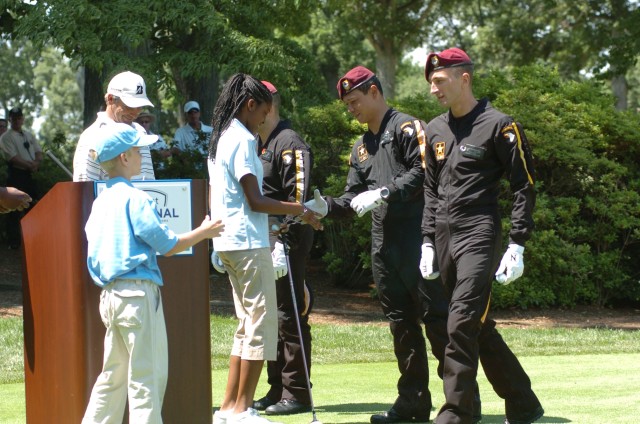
x: 63, y: 333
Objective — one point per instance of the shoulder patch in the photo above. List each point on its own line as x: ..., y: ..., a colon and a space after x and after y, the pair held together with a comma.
x: 509, y: 134
x: 407, y: 128
x: 287, y: 157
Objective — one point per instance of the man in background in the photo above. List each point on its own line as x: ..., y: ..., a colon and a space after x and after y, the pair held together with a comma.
x: 125, y: 98
x: 194, y: 135
x: 23, y: 155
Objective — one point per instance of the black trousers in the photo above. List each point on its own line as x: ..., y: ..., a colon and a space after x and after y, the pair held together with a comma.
x: 22, y: 180
x: 408, y: 301
x: 469, y: 251
x: 286, y: 374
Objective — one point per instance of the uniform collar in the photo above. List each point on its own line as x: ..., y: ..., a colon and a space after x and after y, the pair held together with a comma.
x: 480, y: 107
x: 283, y: 124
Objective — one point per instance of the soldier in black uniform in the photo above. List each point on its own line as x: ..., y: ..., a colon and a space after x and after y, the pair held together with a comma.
x: 385, y: 177
x: 469, y: 148
x: 287, y: 162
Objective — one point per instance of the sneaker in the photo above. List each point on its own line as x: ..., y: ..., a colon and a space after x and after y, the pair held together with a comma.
x: 250, y: 416
x: 220, y: 417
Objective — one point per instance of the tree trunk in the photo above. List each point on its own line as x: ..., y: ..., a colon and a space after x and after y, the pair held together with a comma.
x: 620, y: 89
x: 93, y: 95
x: 205, y: 92
x: 386, y: 65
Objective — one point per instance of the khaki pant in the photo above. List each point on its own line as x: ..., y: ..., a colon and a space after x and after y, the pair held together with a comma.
x: 254, y: 296
x: 135, y: 355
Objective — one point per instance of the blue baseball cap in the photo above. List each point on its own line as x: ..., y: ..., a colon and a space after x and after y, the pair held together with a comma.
x: 114, y: 139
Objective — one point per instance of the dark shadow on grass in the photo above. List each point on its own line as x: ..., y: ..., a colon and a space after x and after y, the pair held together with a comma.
x: 346, y: 409
x: 499, y: 419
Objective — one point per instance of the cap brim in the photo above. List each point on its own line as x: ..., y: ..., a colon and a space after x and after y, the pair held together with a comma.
x: 147, y: 140
x: 136, y: 102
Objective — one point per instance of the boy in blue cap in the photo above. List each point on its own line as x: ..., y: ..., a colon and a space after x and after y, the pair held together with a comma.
x: 124, y: 233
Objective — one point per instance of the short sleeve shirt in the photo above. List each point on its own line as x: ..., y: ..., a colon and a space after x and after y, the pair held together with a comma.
x: 236, y: 157
x: 124, y: 232
x: 87, y: 169
x: 19, y: 143
x: 187, y: 138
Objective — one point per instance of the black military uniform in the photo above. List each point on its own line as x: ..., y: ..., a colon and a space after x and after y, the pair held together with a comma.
x: 466, y: 158
x: 392, y: 159
x: 287, y: 163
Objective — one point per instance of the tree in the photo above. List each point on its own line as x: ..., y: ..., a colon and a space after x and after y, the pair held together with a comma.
x: 600, y: 38
x: 17, y: 60
x: 390, y: 26
x: 62, y: 112
x: 180, y: 47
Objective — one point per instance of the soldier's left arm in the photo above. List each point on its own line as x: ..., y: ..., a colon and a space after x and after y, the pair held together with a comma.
x: 411, y: 140
x: 514, y: 152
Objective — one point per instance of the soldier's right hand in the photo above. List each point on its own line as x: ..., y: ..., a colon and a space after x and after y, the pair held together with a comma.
x: 428, y: 267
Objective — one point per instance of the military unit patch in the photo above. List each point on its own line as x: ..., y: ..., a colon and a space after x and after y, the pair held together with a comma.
x: 267, y: 155
x: 287, y: 157
x: 363, y: 154
x: 509, y: 134
x: 440, y: 150
x: 407, y: 128
x: 386, y: 138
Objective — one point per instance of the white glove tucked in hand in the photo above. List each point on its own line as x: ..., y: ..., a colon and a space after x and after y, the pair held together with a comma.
x: 317, y: 204
x: 279, y: 260
x: 366, y: 201
x: 217, y: 263
x: 427, y: 262
x: 512, y: 265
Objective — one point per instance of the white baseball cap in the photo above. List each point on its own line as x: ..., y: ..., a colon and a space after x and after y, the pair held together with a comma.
x: 114, y: 139
x: 130, y: 88
x: 191, y: 104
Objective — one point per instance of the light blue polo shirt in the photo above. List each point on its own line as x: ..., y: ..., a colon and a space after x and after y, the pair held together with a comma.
x: 236, y: 157
x: 124, y: 232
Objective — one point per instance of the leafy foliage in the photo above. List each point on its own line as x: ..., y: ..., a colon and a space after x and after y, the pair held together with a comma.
x: 588, y: 207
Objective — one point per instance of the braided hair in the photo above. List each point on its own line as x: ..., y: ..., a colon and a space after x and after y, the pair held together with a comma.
x: 236, y: 92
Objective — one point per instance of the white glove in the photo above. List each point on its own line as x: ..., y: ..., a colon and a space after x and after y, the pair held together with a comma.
x: 512, y: 265
x: 217, y: 263
x: 279, y: 260
x: 317, y: 204
x: 427, y: 261
x: 366, y: 201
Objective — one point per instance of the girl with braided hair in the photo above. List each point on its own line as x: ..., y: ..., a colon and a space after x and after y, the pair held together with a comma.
x: 235, y: 174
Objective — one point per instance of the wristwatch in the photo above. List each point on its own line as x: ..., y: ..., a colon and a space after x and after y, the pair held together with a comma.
x: 384, y: 193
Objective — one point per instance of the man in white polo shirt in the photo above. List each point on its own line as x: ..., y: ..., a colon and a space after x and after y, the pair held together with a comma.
x: 125, y: 98
x: 194, y: 135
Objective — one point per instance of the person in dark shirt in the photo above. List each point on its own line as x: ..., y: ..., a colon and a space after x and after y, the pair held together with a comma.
x: 386, y: 173
x: 287, y: 163
x: 469, y: 148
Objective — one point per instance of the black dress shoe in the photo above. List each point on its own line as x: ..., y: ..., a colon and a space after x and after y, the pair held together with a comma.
x: 391, y: 416
x: 262, y: 403
x: 287, y: 407
x: 527, y: 417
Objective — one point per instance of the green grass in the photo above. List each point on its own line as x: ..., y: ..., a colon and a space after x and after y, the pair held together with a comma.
x: 580, y: 375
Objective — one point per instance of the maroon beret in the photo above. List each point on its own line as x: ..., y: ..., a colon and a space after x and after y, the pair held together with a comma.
x: 446, y: 59
x: 353, y: 79
x: 272, y: 88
